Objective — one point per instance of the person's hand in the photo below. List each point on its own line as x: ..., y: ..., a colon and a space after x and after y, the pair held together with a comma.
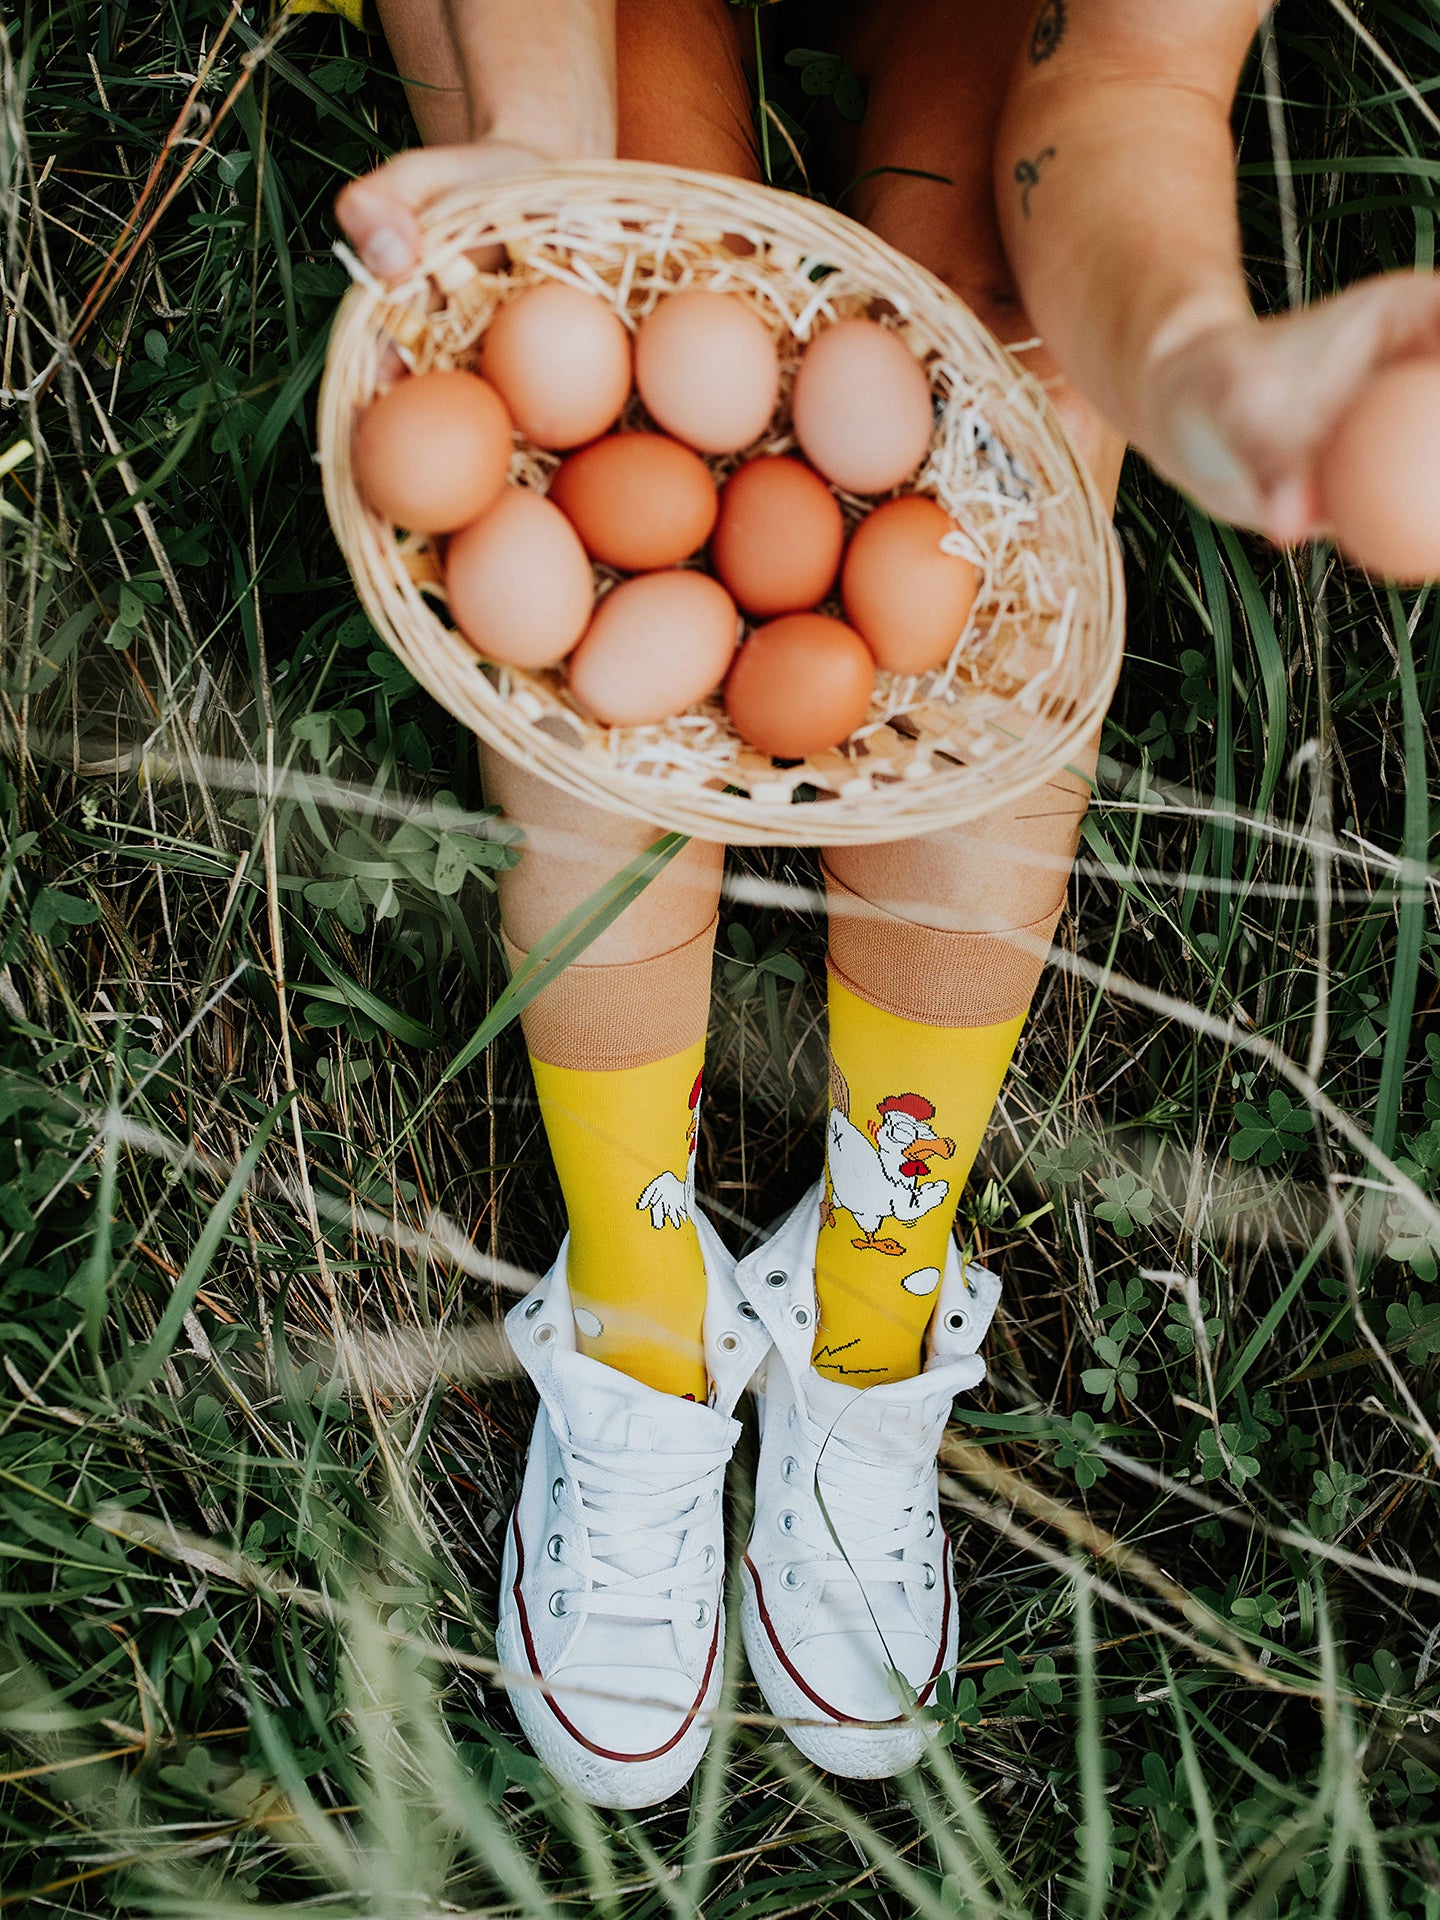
x: 1238, y: 414
x: 379, y: 212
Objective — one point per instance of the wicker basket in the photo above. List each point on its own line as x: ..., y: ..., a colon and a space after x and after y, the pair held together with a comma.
x: 1026, y: 684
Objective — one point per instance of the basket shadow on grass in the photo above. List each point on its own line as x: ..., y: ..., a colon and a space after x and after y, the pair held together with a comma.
x: 1178, y: 1307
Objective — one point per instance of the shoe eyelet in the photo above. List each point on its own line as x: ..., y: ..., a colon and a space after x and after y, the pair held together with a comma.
x: 790, y: 1578
x: 789, y: 1468
x: 930, y: 1576
x: 746, y: 1311
x: 707, y: 1560
x: 930, y: 1523
x: 801, y: 1316
x: 777, y: 1278
x: 703, y: 1613
x: 957, y: 1320
x: 787, y: 1522
x: 544, y: 1334
x: 728, y: 1342
x: 532, y: 1307
x: 557, y: 1605
x: 556, y: 1490
x: 555, y: 1545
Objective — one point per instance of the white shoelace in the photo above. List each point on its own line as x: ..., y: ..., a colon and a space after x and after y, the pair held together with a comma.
x: 876, y: 1505
x: 638, y: 1504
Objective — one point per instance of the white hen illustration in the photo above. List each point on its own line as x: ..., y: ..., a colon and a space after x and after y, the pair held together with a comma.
x: 875, y: 1175
x: 669, y: 1200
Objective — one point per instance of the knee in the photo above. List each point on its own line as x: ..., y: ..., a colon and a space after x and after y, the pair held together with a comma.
x: 994, y: 874
x: 992, y: 296
x: 951, y: 229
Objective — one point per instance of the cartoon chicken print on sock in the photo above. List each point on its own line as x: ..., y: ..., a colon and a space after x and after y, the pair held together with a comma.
x: 877, y: 1175
x: 669, y: 1200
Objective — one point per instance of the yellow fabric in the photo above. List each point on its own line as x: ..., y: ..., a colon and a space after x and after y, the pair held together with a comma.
x: 624, y: 1149
x: 909, y: 1108
x: 351, y: 10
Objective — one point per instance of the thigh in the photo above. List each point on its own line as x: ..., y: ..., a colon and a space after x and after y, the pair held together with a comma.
x: 683, y: 97
x: 418, y: 36
x: 938, y: 73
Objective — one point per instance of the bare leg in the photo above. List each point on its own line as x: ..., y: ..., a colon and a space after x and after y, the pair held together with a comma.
x: 573, y: 848
x: 938, y: 75
x: 991, y: 889
x: 682, y: 100
x: 936, y: 944
x: 425, y: 58
x: 617, y: 1040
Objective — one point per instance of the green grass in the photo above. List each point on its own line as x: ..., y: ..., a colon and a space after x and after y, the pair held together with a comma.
x: 270, y: 1165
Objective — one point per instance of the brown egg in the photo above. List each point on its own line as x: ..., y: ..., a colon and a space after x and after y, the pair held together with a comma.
x: 708, y: 370
x: 519, y: 581
x: 1380, y: 474
x: 656, y: 646
x: 561, y: 361
x: 778, y: 540
x: 799, y: 685
x: 431, y: 454
x: 907, y: 598
x: 637, y: 500
x: 861, y: 407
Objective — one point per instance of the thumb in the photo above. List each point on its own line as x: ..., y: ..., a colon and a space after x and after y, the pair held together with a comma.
x: 1230, y: 421
x: 1212, y: 462
x: 378, y: 212
x: 1189, y: 429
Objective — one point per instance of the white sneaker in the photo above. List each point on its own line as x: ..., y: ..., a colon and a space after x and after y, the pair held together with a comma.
x: 612, y: 1583
x: 849, y: 1610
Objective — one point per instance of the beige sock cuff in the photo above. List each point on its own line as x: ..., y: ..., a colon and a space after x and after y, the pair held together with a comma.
x: 939, y: 978
x: 605, y: 1019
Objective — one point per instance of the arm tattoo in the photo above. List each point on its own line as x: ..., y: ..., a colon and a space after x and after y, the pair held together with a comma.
x: 1048, y: 31
x: 1027, y: 175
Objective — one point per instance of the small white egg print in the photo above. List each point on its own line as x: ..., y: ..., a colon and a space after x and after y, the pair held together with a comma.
x: 923, y: 1280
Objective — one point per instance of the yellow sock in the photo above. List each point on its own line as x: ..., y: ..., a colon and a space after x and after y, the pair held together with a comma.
x: 624, y: 1148
x: 909, y: 1105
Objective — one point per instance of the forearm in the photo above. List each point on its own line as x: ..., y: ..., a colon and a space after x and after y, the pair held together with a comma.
x: 539, y: 74
x: 1115, y: 184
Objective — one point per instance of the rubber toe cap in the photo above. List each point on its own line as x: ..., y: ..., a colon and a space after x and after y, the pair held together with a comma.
x: 856, y: 1677
x: 631, y: 1715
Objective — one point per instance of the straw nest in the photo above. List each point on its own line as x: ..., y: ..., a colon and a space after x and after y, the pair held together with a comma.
x: 1026, y: 684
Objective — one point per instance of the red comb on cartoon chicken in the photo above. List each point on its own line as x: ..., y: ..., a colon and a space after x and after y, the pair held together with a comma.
x: 878, y: 1178
x: 669, y: 1200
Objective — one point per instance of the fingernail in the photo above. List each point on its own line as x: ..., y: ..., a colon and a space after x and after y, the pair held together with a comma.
x: 386, y: 254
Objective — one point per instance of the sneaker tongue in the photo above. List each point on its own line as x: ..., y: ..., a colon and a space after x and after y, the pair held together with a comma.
x: 893, y: 1411
x: 599, y: 1407
x: 829, y: 1400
